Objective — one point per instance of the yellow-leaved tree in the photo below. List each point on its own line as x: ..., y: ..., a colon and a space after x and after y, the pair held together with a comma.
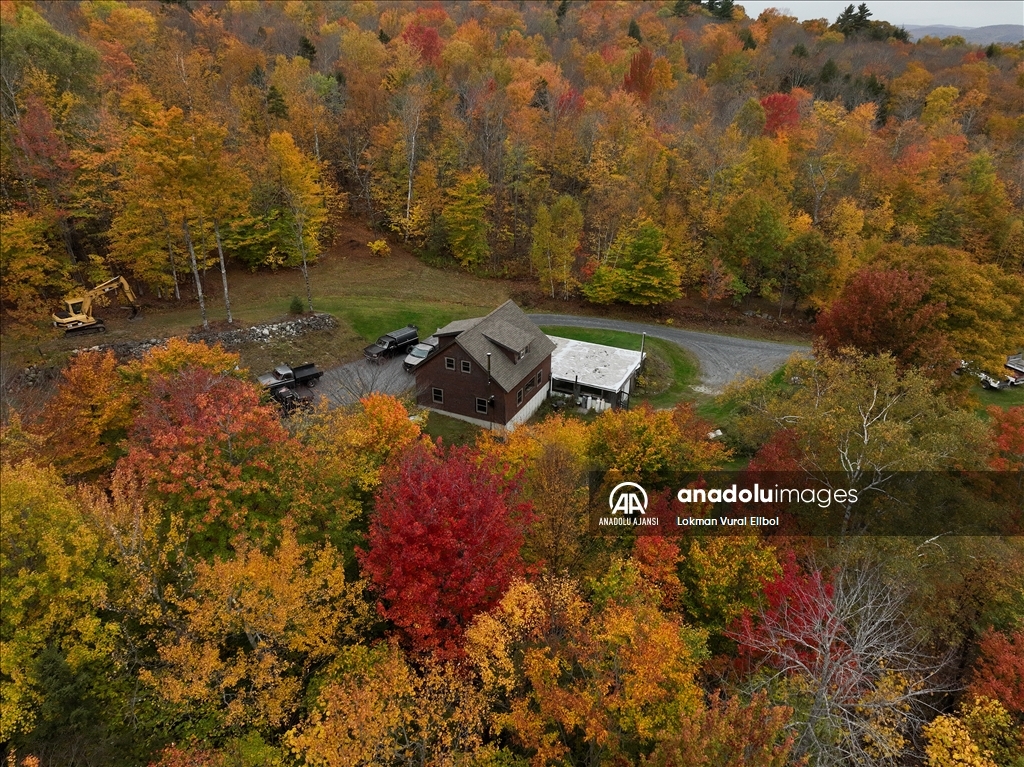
x: 33, y: 273
x: 305, y: 197
x: 377, y: 709
x: 253, y: 629
x: 52, y: 591
x: 605, y: 679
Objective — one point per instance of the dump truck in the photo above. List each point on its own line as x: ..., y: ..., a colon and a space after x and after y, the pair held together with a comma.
x: 288, y: 377
x: 290, y: 386
x: 77, y: 318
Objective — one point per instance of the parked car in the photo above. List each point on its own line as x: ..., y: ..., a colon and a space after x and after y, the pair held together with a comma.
x: 419, y: 353
x: 392, y: 344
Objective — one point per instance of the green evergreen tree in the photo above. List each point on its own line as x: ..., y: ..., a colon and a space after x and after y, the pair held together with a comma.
x: 639, y: 269
x: 275, y: 103
x: 683, y: 7
x: 306, y: 48
x: 634, y: 31
x: 721, y: 9
x: 563, y: 8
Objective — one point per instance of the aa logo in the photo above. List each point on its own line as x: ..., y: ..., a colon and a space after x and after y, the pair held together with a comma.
x: 629, y: 498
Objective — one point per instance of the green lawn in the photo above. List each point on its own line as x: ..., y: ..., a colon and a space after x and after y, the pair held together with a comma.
x: 615, y: 338
x: 1012, y: 397
x: 452, y: 431
x: 371, y: 317
x: 671, y: 370
x: 720, y: 409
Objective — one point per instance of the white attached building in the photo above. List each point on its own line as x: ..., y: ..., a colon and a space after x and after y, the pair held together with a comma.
x: 601, y: 377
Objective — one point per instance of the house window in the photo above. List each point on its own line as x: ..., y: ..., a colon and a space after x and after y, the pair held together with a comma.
x: 519, y: 397
x: 540, y: 376
x: 449, y: 363
x: 466, y: 366
x: 438, y: 396
x: 481, y: 405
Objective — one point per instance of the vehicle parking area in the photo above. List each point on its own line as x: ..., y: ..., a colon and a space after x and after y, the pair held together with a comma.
x: 345, y: 385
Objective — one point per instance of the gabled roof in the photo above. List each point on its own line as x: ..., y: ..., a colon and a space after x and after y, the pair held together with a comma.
x: 506, y: 328
x: 457, y: 326
x: 509, y: 336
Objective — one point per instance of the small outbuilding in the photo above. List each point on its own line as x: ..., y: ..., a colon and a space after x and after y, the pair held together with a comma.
x: 598, y: 376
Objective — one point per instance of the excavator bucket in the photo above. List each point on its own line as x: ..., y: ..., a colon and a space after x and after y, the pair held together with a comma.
x: 136, y: 311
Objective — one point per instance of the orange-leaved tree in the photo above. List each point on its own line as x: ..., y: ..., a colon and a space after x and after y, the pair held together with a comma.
x: 649, y: 445
x: 83, y: 424
x: 211, y: 451
x: 591, y: 682
x: 253, y: 629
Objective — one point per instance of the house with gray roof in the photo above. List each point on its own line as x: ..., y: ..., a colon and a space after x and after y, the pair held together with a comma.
x: 493, y: 371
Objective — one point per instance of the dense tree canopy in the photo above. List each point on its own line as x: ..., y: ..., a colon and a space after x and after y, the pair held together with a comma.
x: 774, y: 157
x: 187, y: 578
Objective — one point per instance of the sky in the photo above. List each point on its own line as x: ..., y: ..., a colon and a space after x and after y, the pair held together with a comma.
x: 954, y: 13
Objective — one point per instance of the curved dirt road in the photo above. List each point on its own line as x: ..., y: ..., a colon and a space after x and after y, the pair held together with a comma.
x: 722, y: 359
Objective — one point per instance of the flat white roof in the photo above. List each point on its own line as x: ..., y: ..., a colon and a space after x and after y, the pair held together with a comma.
x: 604, y: 367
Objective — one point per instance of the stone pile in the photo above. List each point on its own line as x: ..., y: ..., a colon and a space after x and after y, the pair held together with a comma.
x: 228, y: 338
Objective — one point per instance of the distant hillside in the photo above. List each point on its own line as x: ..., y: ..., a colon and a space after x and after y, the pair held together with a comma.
x: 996, y: 33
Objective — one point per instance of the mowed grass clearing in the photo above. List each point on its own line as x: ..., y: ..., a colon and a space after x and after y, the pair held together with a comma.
x: 1004, y: 398
x: 452, y: 431
x: 368, y: 295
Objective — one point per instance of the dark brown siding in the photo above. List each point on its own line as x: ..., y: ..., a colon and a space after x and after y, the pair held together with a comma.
x: 462, y: 389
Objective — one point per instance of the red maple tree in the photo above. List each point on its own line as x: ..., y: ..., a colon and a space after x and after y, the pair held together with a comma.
x: 1007, y: 438
x: 443, y: 544
x: 789, y: 629
x: 888, y: 311
x: 999, y: 670
x: 210, y: 449
x: 639, y: 79
x: 781, y: 112
x: 425, y: 40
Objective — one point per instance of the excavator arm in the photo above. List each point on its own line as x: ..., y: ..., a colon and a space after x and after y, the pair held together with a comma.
x: 77, y: 316
x: 110, y: 286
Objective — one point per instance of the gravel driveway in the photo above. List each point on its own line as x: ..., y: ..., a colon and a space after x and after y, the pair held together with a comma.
x: 346, y: 384
x: 723, y: 359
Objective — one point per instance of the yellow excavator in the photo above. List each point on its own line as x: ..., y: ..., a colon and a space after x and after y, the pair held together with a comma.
x: 77, y: 319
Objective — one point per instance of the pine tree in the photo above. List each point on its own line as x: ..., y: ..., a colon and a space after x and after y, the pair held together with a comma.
x: 634, y: 31
x: 638, y: 270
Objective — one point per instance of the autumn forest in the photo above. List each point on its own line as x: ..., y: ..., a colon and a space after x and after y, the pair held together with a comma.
x: 190, y: 579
